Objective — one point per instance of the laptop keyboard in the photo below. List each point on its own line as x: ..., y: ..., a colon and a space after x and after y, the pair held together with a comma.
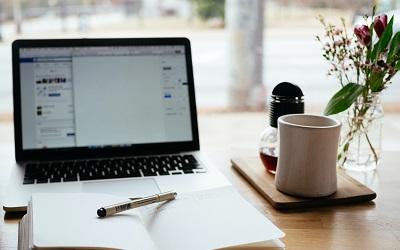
x: 81, y: 170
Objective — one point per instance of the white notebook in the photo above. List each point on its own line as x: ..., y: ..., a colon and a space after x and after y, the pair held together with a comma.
x: 209, y: 219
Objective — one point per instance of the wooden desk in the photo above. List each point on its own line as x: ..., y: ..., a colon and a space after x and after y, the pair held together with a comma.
x: 374, y: 225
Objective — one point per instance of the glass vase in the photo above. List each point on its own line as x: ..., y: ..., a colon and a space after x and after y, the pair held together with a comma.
x: 361, y: 136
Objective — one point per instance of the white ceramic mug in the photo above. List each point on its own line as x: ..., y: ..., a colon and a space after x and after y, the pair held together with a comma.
x: 308, y: 147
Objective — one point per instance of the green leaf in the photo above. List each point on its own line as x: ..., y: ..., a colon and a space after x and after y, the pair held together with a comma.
x: 376, y: 80
x: 394, y: 47
x: 383, y: 40
x: 386, y: 35
x: 343, y: 98
x: 398, y: 65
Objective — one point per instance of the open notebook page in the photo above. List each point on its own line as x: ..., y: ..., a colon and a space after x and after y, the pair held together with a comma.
x: 70, y: 220
x: 207, y: 219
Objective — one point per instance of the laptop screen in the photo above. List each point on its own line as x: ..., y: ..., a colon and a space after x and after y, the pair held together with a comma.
x: 104, y: 96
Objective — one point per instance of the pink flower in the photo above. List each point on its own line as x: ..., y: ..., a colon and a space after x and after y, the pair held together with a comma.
x: 380, y: 23
x: 338, y: 31
x: 363, y: 34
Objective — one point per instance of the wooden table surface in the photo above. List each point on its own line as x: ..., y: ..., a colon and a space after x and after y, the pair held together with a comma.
x: 373, y: 225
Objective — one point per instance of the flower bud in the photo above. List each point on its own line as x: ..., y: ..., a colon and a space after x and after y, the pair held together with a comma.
x: 380, y: 23
x: 363, y: 34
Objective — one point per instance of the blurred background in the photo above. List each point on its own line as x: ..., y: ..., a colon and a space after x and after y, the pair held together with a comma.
x: 241, y: 48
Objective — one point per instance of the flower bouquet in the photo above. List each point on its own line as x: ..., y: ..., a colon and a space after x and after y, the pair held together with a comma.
x: 364, y: 62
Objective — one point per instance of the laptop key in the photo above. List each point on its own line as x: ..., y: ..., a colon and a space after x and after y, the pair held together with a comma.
x: 86, y: 178
x: 170, y: 166
x: 43, y: 180
x: 28, y: 181
x: 30, y: 169
x: 190, y: 160
x: 71, y: 178
x: 134, y: 173
x: 58, y: 179
x: 150, y: 172
x: 163, y: 172
x: 173, y: 172
x: 80, y: 164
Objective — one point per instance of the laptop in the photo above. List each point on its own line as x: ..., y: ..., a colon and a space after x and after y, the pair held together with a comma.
x: 115, y: 116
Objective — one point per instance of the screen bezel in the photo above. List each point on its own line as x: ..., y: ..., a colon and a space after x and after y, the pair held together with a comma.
x: 87, y: 152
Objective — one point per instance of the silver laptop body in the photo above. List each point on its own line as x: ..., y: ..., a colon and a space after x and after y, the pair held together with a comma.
x: 114, y: 116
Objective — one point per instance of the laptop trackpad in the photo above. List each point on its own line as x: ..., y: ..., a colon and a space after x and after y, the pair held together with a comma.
x: 127, y: 188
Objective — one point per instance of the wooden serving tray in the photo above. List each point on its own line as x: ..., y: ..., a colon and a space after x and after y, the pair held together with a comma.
x: 349, y: 190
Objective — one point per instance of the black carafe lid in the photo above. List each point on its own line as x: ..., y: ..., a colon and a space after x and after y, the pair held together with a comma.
x: 287, y: 98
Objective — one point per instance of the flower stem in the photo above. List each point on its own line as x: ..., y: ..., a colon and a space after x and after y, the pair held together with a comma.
x: 370, y: 146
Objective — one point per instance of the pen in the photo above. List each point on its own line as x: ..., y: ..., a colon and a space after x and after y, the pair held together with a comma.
x: 123, y: 206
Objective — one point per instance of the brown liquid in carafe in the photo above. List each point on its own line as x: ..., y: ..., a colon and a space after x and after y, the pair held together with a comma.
x: 269, y: 162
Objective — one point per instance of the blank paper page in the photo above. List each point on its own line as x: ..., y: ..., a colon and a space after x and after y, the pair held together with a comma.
x: 207, y: 219
x: 70, y: 220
